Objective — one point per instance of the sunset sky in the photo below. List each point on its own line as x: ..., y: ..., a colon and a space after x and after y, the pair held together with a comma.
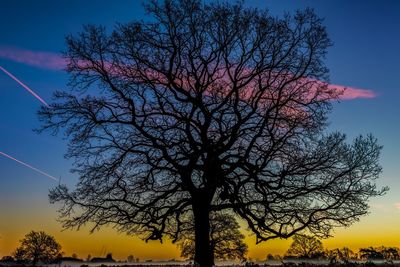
x: 365, y: 56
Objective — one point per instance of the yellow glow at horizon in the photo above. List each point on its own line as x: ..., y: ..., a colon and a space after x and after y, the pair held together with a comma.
x: 380, y: 228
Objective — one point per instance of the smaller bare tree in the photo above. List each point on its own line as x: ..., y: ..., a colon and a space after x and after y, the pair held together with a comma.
x: 226, y: 240
x: 340, y: 255
x: 390, y: 253
x: 7, y: 259
x: 38, y: 247
x: 305, y: 247
x: 380, y: 253
x: 130, y: 259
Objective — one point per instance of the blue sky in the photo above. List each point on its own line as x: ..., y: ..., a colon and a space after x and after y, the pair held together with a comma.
x: 366, y: 37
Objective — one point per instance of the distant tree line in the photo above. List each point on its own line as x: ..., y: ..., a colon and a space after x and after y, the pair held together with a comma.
x: 310, y: 247
x: 39, y: 247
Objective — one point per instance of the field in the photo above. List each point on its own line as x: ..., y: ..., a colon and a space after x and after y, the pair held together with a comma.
x: 225, y: 264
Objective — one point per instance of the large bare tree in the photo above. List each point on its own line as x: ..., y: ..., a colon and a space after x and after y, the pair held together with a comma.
x: 205, y: 108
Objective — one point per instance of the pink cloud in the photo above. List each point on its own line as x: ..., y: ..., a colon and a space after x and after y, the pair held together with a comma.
x: 54, y: 61
x: 41, y: 59
x: 397, y: 205
x: 350, y: 93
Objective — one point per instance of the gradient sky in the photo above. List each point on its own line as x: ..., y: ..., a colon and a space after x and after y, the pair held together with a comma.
x: 366, y: 36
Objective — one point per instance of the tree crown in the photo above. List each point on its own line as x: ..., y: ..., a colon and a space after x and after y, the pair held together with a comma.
x: 38, y: 246
x: 211, y: 106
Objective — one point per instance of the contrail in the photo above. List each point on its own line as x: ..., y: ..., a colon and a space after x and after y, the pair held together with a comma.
x: 29, y: 166
x: 23, y: 85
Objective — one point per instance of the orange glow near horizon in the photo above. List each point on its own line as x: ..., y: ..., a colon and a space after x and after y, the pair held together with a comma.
x: 370, y: 231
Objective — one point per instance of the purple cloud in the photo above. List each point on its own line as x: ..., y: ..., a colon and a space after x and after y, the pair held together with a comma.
x: 54, y: 61
x: 350, y: 93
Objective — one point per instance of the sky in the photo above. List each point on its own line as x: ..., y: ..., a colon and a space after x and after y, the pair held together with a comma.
x: 366, y: 37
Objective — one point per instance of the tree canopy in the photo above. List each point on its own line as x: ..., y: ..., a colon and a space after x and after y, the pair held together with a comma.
x: 207, y: 107
x: 379, y: 253
x: 305, y: 247
x: 38, y: 247
x: 341, y: 255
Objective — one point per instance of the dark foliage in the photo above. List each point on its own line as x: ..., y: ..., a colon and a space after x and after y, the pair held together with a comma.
x: 38, y: 247
x: 305, y: 247
x: 7, y: 259
x: 380, y: 253
x: 343, y: 255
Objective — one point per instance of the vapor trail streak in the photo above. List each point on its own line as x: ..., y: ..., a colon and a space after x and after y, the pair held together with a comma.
x: 23, y: 85
x: 29, y: 166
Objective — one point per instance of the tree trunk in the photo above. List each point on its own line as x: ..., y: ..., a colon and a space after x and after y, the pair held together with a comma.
x: 212, y: 247
x: 203, y: 252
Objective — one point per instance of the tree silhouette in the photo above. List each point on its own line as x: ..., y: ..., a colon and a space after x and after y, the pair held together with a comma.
x: 207, y: 107
x: 340, y: 254
x: 130, y: 259
x: 7, y: 259
x: 38, y: 246
x: 390, y: 253
x: 226, y: 240
x: 305, y: 247
x: 379, y: 253
x: 371, y: 254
